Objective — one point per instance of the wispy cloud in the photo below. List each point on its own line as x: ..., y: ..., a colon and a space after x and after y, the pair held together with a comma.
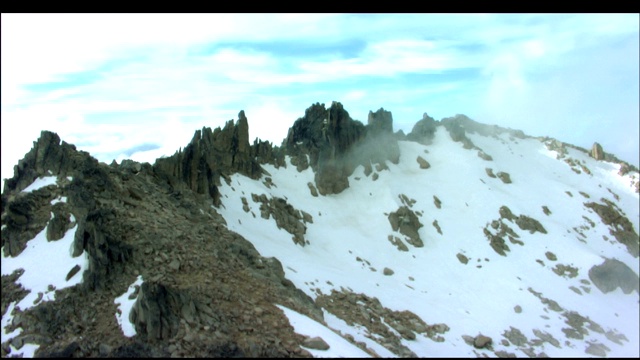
x: 115, y: 82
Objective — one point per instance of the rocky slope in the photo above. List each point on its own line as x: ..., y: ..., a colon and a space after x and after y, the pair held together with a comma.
x: 211, y: 242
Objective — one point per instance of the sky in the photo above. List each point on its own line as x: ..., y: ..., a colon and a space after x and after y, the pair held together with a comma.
x: 138, y: 85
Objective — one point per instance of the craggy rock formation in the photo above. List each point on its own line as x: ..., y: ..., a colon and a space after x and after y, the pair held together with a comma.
x: 597, y: 152
x: 613, y: 273
x: 333, y: 144
x: 212, y: 154
x: 325, y: 135
x: 132, y: 222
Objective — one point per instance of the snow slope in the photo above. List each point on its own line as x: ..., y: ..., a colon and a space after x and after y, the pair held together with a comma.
x: 478, y: 297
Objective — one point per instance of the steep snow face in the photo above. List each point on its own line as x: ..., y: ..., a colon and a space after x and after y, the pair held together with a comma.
x: 541, y: 284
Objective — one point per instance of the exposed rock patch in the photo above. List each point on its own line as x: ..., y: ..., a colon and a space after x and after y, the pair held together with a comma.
x: 312, y: 188
x: 502, y: 230
x: 398, y: 243
x: 484, y: 156
x: 528, y: 223
x: 437, y: 202
x: 504, y: 177
x: 437, y: 227
x: 407, y: 222
x: 463, y: 259
x: 424, y: 164
x: 285, y: 215
x: 565, y: 270
x: 619, y: 226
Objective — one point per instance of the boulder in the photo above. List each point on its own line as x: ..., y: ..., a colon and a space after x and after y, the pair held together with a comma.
x: 313, y: 190
x: 463, y: 259
x: 504, y: 177
x: 423, y: 163
x: 316, y: 343
x: 481, y: 341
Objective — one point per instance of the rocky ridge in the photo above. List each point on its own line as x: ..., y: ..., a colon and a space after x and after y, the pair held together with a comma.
x: 157, y: 221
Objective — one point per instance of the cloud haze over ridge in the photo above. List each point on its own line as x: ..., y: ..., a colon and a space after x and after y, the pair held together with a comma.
x: 138, y: 85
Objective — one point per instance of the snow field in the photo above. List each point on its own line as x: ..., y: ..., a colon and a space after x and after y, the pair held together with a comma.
x: 468, y: 298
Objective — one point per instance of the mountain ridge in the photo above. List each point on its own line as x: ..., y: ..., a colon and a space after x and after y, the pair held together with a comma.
x: 164, y: 222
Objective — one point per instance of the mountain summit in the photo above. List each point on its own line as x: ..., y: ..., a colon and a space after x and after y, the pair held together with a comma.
x: 456, y: 239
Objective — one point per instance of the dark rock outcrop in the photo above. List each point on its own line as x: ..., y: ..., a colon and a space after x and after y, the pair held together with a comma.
x: 528, y: 223
x: 60, y: 222
x: 333, y: 144
x: 286, y: 217
x: 407, y: 222
x: 619, y: 226
x: 212, y: 154
x: 424, y: 164
x: 424, y: 130
x: 156, y: 312
x: 48, y: 156
x: 98, y: 236
x: 505, y: 177
x: 326, y: 135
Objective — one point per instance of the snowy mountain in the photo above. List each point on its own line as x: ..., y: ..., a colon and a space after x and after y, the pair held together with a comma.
x: 459, y: 239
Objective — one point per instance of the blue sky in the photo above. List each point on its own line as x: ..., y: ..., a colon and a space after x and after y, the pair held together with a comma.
x: 138, y: 85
